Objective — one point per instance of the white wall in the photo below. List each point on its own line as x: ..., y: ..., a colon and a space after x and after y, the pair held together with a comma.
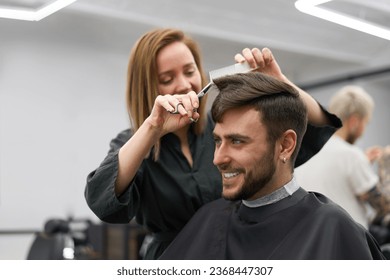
x: 62, y: 84
x: 60, y: 104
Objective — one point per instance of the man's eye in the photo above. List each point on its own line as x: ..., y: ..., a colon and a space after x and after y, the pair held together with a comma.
x: 217, y: 141
x: 236, y: 141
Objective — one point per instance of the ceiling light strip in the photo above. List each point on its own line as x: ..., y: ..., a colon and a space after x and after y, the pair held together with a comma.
x: 35, y: 15
x: 310, y: 7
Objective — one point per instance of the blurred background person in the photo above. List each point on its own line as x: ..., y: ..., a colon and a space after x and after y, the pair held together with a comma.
x: 341, y: 170
x: 384, y: 170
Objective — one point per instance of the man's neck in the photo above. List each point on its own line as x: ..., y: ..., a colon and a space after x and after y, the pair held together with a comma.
x: 278, y: 182
x: 342, y: 133
x: 282, y: 192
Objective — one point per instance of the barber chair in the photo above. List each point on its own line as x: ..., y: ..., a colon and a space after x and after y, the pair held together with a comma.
x: 58, y: 241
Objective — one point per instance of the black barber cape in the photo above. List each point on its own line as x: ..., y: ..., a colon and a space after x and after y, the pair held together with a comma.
x: 302, y: 226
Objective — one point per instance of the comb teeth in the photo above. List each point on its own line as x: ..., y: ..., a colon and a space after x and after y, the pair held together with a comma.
x: 230, y: 70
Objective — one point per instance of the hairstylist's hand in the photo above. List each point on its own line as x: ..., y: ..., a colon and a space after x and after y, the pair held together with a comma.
x: 264, y: 62
x: 172, y: 112
x: 261, y: 60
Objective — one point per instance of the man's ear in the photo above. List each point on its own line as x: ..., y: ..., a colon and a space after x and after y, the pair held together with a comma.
x: 353, y: 122
x: 288, y: 142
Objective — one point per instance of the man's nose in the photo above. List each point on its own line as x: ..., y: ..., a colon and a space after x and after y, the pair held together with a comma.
x: 221, y: 156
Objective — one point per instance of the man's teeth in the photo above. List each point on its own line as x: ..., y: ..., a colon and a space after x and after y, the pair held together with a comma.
x: 230, y: 175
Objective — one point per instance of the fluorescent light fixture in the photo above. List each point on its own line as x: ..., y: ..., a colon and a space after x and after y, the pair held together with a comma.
x: 311, y: 7
x: 34, y: 14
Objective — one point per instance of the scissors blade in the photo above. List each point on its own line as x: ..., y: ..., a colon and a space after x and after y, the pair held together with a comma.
x: 204, y: 90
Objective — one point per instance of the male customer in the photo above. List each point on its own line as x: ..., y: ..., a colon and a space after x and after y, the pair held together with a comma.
x: 264, y: 213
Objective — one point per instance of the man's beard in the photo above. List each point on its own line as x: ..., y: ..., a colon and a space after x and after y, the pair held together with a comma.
x: 351, y: 138
x: 255, y: 179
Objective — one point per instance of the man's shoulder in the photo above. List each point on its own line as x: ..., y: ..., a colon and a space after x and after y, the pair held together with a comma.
x: 345, y: 147
x: 331, y: 211
x: 219, y: 204
x: 216, y: 209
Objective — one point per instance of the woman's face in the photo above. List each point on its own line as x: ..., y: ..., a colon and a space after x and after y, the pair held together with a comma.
x: 177, y: 70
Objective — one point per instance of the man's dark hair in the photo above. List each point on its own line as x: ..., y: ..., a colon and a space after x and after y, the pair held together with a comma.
x: 279, y: 104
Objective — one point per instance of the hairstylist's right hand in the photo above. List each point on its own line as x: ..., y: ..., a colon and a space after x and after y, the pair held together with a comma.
x: 172, y: 112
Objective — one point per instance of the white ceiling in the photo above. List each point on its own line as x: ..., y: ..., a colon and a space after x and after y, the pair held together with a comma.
x: 308, y: 48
